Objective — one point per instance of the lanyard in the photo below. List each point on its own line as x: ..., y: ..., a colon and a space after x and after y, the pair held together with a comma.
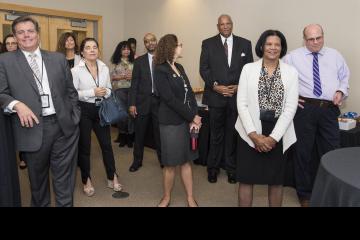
x: 97, y: 73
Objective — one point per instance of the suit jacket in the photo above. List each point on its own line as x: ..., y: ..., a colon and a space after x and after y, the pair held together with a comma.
x: 141, y: 85
x: 172, y: 110
x: 214, y: 67
x: 248, y: 104
x: 17, y: 83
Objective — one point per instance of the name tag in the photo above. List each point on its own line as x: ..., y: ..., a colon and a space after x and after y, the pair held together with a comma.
x: 45, y: 101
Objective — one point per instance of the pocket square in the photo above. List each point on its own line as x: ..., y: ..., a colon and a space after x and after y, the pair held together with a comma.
x: 243, y: 54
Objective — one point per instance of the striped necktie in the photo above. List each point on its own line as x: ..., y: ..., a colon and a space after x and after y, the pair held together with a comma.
x: 36, y: 71
x: 226, y: 48
x: 316, y: 74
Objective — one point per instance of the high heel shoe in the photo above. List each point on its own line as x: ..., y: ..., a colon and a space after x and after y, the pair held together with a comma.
x: 167, y: 205
x: 197, y: 205
x: 89, y: 191
x: 117, y: 187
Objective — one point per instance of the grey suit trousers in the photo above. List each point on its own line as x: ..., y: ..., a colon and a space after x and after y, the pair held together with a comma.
x: 58, y: 154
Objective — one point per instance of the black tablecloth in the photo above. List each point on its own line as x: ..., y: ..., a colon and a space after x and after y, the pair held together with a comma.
x: 350, y: 138
x: 338, y: 180
x: 9, y: 180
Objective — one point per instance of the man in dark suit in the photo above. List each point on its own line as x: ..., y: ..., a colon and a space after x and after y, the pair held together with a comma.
x: 221, y: 62
x: 144, y: 102
x: 37, y: 85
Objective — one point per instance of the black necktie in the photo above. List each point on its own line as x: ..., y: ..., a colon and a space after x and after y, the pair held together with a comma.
x: 226, y: 48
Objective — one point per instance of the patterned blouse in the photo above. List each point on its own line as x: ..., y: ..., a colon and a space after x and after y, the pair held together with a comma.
x: 121, y: 70
x: 274, y: 85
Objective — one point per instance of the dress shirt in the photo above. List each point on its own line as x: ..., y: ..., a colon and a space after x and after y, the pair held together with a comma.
x: 150, y: 56
x: 230, y: 43
x: 334, y: 73
x: 44, y: 82
x: 85, y: 84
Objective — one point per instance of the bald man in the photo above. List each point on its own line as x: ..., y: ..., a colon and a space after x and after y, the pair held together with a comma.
x: 222, y: 59
x: 144, y: 101
x: 324, y: 84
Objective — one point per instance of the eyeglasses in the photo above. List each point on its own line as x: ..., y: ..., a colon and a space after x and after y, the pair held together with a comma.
x: 317, y: 39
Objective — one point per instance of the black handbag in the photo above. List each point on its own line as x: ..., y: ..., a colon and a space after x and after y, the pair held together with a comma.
x: 112, y: 111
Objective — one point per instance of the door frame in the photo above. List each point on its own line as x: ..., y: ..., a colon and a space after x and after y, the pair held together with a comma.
x: 57, y: 13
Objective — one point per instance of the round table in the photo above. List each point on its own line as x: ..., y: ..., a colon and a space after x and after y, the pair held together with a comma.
x: 338, y: 179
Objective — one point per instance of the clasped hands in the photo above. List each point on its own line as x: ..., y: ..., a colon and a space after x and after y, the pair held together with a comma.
x: 100, y: 92
x: 196, y: 123
x: 262, y: 144
x: 226, y: 91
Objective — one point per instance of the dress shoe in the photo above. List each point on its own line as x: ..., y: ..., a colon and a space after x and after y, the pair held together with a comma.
x: 304, y: 203
x: 212, y: 177
x: 231, y: 178
x: 22, y: 165
x: 134, y: 167
x: 116, y: 187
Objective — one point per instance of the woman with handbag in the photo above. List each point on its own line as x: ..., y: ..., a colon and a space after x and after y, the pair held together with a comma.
x: 92, y: 81
x: 177, y: 118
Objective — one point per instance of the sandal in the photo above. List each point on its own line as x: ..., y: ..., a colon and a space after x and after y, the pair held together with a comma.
x: 116, y: 187
x: 89, y: 191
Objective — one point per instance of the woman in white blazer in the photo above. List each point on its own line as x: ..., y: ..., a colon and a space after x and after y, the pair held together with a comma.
x: 267, y: 101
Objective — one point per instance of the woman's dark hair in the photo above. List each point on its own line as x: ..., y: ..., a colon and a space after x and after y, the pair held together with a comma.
x: 132, y: 40
x: 259, y: 49
x: 62, y: 42
x: 25, y: 19
x: 165, y: 50
x: 3, y: 47
x: 116, y: 57
x: 83, y: 43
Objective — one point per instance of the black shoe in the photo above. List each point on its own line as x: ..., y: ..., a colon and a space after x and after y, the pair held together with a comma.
x: 134, y: 167
x: 22, y: 165
x: 231, y: 178
x: 212, y: 177
x: 130, y: 144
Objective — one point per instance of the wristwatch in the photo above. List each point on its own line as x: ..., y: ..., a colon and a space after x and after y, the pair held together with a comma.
x: 215, y: 84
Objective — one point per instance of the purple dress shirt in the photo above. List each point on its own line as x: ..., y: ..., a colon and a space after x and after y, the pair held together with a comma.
x: 334, y: 73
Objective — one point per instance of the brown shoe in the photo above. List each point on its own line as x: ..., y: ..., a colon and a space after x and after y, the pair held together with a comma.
x: 304, y: 203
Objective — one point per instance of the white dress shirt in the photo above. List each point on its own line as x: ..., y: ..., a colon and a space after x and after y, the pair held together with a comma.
x: 150, y: 57
x: 230, y: 43
x: 44, y: 83
x: 85, y: 84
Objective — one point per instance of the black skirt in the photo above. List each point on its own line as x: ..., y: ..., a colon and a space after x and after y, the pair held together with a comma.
x: 256, y: 168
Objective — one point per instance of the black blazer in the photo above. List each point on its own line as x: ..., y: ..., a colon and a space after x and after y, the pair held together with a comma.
x: 214, y: 67
x: 17, y: 83
x: 172, y: 110
x: 141, y: 86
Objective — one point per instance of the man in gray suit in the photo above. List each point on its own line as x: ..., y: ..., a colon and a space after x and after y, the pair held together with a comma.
x: 36, y: 87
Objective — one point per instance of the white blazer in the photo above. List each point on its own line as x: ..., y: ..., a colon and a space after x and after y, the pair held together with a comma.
x: 248, y: 104
x: 77, y: 60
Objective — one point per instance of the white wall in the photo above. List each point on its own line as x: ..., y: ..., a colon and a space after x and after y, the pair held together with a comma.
x: 111, y: 10
x: 195, y: 20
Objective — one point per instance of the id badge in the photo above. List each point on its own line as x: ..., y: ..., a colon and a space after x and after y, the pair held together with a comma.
x: 45, y: 101
x: 98, y: 102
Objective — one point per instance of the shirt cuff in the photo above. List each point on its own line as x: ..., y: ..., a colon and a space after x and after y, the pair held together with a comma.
x: 10, y: 107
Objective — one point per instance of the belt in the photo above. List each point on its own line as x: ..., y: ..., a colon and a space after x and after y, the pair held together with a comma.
x: 318, y: 102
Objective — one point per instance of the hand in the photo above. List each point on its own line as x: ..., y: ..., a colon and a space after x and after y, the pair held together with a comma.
x: 233, y: 88
x: 197, y: 120
x: 128, y: 76
x: 270, y: 142
x: 223, y: 90
x: 194, y: 126
x: 260, y: 143
x: 301, y: 103
x: 133, y: 111
x: 100, y: 92
x: 338, y: 98
x: 26, y: 116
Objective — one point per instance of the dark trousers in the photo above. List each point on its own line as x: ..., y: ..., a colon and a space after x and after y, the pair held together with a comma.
x: 141, y: 125
x: 90, y: 121
x: 222, y: 139
x: 317, y: 132
x: 58, y: 153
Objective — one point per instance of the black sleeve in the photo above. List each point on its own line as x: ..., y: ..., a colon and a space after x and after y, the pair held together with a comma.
x: 205, y: 71
x: 5, y: 97
x: 249, y: 53
x: 167, y: 96
x: 192, y: 98
x: 136, y: 75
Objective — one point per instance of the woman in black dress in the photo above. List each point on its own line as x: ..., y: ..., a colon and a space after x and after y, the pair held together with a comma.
x: 267, y: 101
x: 177, y: 117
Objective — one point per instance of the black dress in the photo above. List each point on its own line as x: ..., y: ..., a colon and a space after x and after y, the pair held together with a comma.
x: 9, y: 180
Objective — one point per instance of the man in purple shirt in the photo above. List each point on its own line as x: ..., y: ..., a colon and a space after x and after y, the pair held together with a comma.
x: 324, y: 84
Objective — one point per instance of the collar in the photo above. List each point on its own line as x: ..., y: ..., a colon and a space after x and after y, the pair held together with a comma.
x: 37, y: 52
x: 229, y: 39
x: 150, y: 55
x: 321, y: 52
x: 99, y: 62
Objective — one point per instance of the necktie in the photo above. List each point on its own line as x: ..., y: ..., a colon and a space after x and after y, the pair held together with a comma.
x: 316, y: 74
x: 153, y: 87
x: 36, y: 70
x: 226, y: 48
